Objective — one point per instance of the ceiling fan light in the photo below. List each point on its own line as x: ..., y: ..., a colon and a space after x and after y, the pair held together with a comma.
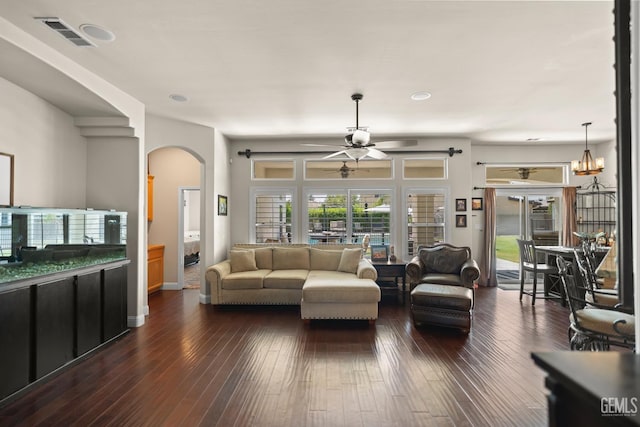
x: 356, y: 153
x: 360, y: 137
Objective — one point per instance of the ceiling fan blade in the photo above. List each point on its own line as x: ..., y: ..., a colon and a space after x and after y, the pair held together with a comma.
x: 337, y: 153
x: 396, y: 143
x: 322, y: 145
x: 376, y: 154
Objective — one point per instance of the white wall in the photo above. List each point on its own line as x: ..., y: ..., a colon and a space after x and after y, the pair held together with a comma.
x: 192, y: 209
x: 211, y: 150
x: 50, y: 154
x: 221, y: 236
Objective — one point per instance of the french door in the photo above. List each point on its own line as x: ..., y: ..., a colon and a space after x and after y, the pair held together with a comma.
x: 524, y: 214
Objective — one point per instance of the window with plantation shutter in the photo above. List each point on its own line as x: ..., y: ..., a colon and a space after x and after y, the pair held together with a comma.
x: 426, y: 219
x: 273, y: 219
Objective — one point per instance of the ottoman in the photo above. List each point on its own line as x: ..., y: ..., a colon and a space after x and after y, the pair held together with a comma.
x: 442, y: 305
x: 333, y: 298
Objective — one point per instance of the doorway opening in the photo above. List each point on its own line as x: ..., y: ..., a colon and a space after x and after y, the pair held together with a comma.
x: 189, y: 238
x: 524, y: 214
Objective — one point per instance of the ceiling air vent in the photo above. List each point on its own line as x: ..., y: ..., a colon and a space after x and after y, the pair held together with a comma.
x: 60, y: 27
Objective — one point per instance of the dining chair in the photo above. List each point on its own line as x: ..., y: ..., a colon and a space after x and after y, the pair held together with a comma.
x: 594, y: 295
x: 529, y: 262
x: 593, y: 329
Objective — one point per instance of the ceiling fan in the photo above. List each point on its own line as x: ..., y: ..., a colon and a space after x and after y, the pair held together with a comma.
x: 345, y: 170
x: 358, y: 144
x: 524, y: 172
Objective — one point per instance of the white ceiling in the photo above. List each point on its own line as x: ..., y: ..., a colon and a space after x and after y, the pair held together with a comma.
x: 499, y: 71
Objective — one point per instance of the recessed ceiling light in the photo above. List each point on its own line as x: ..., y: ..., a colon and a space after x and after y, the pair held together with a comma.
x: 97, y: 33
x: 420, y: 96
x: 178, y: 98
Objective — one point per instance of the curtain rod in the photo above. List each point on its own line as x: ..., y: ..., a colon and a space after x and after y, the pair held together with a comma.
x: 248, y: 153
x: 526, y: 187
x: 515, y: 164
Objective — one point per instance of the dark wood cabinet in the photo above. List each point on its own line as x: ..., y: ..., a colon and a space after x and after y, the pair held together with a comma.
x: 88, y: 312
x: 114, y: 302
x: 15, y: 346
x: 48, y: 325
x: 54, y: 335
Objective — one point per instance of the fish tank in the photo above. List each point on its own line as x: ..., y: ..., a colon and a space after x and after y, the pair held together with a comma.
x: 40, y: 241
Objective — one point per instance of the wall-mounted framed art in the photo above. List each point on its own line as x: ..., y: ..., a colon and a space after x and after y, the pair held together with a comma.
x: 476, y: 204
x: 222, y: 205
x: 461, y: 205
x: 461, y: 221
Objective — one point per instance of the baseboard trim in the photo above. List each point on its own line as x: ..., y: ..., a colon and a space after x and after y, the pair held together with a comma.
x: 145, y: 310
x: 205, y: 299
x: 171, y: 286
x: 135, y: 321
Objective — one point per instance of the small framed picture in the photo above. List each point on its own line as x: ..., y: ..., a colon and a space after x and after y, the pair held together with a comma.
x: 461, y: 221
x: 222, y: 205
x: 379, y: 253
x: 461, y: 205
x: 476, y: 204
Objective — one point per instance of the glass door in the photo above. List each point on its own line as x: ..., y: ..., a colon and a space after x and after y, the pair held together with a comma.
x: 524, y: 214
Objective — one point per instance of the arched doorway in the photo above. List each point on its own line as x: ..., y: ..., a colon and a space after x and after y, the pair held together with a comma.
x: 174, y: 169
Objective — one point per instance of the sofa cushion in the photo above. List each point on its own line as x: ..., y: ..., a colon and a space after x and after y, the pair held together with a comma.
x: 443, y: 260
x: 285, y: 279
x: 442, y: 279
x: 321, y: 259
x: 264, y: 258
x: 242, y: 260
x: 291, y: 258
x: 349, y: 260
x: 245, y: 280
x: 321, y: 289
x: 443, y: 296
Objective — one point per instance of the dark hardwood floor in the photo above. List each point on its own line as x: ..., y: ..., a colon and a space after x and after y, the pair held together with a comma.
x: 197, y: 365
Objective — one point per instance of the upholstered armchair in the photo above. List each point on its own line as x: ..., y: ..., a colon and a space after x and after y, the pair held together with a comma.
x: 442, y: 286
x: 443, y: 264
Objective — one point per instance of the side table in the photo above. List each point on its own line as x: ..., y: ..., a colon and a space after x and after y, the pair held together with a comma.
x: 391, y: 270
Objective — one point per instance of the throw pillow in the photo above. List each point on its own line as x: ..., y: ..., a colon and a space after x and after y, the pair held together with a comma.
x: 243, y: 260
x: 349, y: 260
x: 323, y: 259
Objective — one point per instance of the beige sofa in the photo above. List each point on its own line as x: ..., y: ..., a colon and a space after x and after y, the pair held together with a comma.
x: 327, y: 282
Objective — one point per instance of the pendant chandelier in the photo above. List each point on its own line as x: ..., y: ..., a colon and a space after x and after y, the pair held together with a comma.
x: 586, y: 165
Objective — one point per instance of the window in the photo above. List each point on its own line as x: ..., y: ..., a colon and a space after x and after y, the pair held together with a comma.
x: 348, y: 169
x: 345, y: 216
x: 273, y: 216
x: 428, y: 168
x: 426, y: 219
x: 529, y: 175
x: 273, y: 169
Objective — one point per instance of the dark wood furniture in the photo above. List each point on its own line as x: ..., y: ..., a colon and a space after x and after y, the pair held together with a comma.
x: 529, y: 262
x: 49, y: 322
x: 550, y: 253
x: 388, y: 275
x: 591, y: 388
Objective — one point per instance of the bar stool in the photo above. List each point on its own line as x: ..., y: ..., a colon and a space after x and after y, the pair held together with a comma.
x: 529, y: 262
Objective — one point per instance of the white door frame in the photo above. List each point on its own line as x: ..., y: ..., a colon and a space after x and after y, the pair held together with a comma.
x: 181, y: 201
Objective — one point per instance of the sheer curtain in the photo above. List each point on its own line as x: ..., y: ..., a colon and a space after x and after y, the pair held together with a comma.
x: 569, y: 223
x: 488, y: 260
